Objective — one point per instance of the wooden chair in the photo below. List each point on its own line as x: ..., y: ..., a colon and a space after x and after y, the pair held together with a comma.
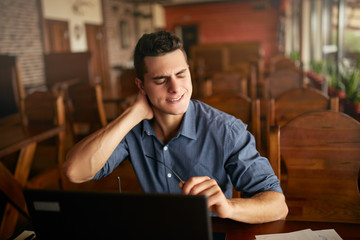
x: 292, y: 103
x: 38, y: 109
x: 253, y: 77
x: 297, y: 101
x: 272, y: 87
x: 202, y: 83
x: 282, y: 81
x: 282, y: 62
x: 248, y: 71
x: 43, y: 108
x: 229, y: 82
x: 223, y: 57
x: 15, y: 203
x: 320, y: 175
x: 85, y: 109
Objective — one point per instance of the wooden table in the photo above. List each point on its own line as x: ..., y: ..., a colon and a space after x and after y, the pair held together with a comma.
x: 15, y: 137
x: 236, y: 230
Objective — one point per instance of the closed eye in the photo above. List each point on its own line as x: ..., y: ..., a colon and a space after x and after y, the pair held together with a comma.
x: 160, y: 80
x: 182, y: 73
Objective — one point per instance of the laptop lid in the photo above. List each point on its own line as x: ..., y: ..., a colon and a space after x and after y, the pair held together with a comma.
x: 103, y: 215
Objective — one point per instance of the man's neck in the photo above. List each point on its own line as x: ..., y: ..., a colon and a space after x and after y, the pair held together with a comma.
x: 167, y: 126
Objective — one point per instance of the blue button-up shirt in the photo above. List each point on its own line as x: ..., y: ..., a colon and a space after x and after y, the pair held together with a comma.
x: 209, y: 143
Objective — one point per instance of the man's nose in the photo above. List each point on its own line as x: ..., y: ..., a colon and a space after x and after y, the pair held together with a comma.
x: 173, y: 84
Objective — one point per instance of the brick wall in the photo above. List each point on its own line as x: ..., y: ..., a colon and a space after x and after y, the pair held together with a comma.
x: 20, y: 35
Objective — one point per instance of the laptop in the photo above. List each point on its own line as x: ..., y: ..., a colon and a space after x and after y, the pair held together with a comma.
x: 104, y: 215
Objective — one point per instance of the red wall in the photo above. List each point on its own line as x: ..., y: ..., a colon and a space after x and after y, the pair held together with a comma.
x: 228, y: 22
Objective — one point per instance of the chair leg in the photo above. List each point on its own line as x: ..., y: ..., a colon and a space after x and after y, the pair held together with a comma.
x: 8, y: 222
x: 24, y: 163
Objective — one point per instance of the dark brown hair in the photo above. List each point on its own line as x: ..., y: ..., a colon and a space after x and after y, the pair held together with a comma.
x: 155, y: 44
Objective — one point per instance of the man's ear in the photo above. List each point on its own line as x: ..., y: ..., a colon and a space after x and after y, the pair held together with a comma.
x: 140, y: 85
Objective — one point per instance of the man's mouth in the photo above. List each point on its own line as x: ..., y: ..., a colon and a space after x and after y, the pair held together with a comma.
x: 175, y: 99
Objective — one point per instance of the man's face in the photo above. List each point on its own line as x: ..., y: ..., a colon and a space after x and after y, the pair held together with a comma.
x: 167, y: 83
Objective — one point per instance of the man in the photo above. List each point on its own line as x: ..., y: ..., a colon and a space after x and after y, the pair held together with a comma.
x: 208, y: 149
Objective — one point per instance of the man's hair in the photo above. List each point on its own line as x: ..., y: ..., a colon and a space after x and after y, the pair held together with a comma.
x: 154, y: 44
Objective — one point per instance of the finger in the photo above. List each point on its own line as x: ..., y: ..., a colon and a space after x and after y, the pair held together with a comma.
x: 206, y: 187
x: 219, y: 205
x: 215, y: 197
x: 193, y: 182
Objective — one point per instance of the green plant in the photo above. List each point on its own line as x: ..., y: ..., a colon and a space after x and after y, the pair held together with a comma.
x: 333, y: 78
x: 318, y: 66
x: 350, y: 76
x: 295, y: 56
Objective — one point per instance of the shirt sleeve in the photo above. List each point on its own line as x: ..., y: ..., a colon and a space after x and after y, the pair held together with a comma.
x: 250, y: 173
x: 119, y: 155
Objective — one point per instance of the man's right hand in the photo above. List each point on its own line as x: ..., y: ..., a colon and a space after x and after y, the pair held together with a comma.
x: 144, y: 105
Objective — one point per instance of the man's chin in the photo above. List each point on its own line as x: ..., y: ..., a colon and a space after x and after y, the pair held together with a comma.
x: 176, y: 111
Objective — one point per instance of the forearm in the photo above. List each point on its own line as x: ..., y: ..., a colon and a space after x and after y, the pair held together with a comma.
x: 263, y: 207
x: 88, y: 156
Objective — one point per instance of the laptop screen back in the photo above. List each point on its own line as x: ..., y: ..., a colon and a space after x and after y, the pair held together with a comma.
x: 99, y: 215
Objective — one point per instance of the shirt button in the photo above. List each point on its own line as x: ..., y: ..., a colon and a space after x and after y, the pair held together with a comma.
x: 169, y: 175
x: 165, y: 148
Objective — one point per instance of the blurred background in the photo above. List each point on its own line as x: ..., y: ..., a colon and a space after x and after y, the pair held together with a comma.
x: 309, y: 31
x: 71, y: 62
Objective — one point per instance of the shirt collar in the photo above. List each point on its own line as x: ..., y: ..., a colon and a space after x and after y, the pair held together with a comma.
x: 147, y: 128
x: 187, y: 127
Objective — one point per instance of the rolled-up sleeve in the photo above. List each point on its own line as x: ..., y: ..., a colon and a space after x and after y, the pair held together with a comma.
x: 120, y: 154
x: 249, y: 172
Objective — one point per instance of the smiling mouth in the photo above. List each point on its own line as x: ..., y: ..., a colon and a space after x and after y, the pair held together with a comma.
x: 175, y: 99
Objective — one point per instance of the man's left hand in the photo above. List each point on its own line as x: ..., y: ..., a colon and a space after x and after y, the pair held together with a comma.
x: 217, y: 202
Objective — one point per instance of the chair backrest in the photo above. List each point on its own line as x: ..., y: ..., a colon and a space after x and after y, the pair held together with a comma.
x: 43, y: 108
x: 282, y: 81
x: 253, y: 78
x: 250, y: 71
x: 86, y: 108
x: 297, y: 101
x: 240, y: 106
x: 321, y: 155
x: 229, y: 82
x: 281, y: 62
